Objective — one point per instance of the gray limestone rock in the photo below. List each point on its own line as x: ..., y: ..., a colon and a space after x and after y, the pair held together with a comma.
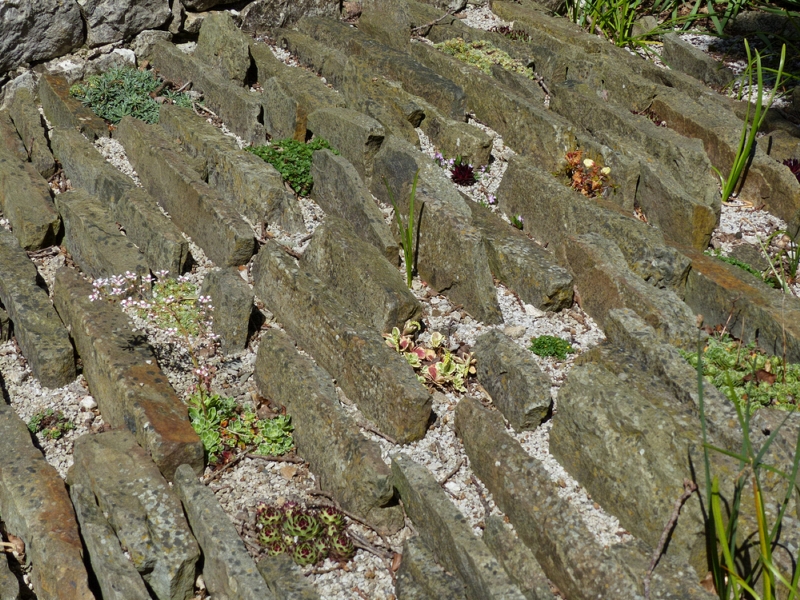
x: 388, y: 22
x: 222, y: 45
x: 515, y: 382
x: 39, y: 332
x: 228, y: 569
x: 360, y: 276
x: 684, y: 57
x: 444, y: 529
x: 112, y: 20
x: 261, y: 16
x: 285, y: 578
x: 145, y: 513
x: 232, y: 302
x: 62, y: 110
x: 29, y: 125
x: 420, y: 576
x: 9, y: 586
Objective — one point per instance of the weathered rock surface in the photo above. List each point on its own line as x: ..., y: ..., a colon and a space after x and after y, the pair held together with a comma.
x: 36, y: 507
x: 365, y: 282
x: 606, y: 283
x: 444, y: 529
x: 38, y: 330
x: 515, y: 382
x: 209, y: 220
x: 28, y: 123
x: 221, y: 45
x: 261, y: 16
x: 420, y: 576
x: 232, y: 301
x: 37, y: 31
x: 62, y: 110
x: 285, y: 579
x: 9, y: 138
x: 93, y: 239
x: 125, y: 378
x: 116, y: 575
x: 26, y: 202
x: 347, y: 464
x: 521, y: 264
x: 228, y: 569
x: 9, y: 586
x: 517, y: 559
x: 340, y: 191
x: 375, y: 377
x: 145, y: 514
x: 684, y: 57
x: 451, y: 257
x: 112, y: 20
x: 389, y: 22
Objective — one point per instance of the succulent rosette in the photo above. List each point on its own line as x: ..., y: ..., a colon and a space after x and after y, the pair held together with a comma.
x: 305, y: 553
x: 269, y: 535
x: 303, y: 525
x: 329, y: 515
x: 267, y: 515
x: 341, y: 547
x: 322, y: 547
x: 278, y: 547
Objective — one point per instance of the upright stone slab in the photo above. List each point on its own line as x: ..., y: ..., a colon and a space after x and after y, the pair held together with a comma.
x: 251, y: 184
x: 62, y: 110
x: 521, y: 264
x: 9, y: 138
x: 285, y: 578
x: 388, y: 22
x: 144, y: 512
x: 9, y: 586
x: 371, y: 374
x: 451, y: 257
x: 420, y: 576
x: 108, y: 22
x: 515, y: 382
x: 328, y: 62
x: 346, y: 463
x: 40, y: 334
x: 232, y: 302
x: 339, y: 190
x: 606, y: 283
x: 35, y: 507
x: 115, y: 574
x: 228, y: 569
x: 29, y: 125
x: 209, y: 220
x: 124, y: 376
x: 26, y: 202
x: 356, y: 136
x: 366, y: 283
x: 93, y: 239
x: 445, y: 530
x: 222, y: 45
x: 684, y: 57
x: 456, y: 138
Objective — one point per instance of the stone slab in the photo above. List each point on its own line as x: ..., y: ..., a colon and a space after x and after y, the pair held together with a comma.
x: 356, y: 136
x: 93, y: 239
x: 521, y: 264
x: 262, y: 16
x: 339, y: 190
x: 222, y: 45
x: 26, y: 202
x: 62, y: 110
x: 420, y: 576
x: 456, y: 138
x: 39, y: 332
x: 285, y: 578
x: 232, y: 302
x: 451, y: 256
x: 228, y: 569
x: 145, y: 513
x: 108, y: 22
x: 365, y: 282
x: 29, y: 125
x: 515, y: 382
x: 684, y: 57
x: 9, y: 138
x: 9, y: 585
x: 36, y: 507
x: 375, y: 377
x: 251, y: 184
x: 347, y: 464
x: 199, y: 211
x: 445, y: 530
x: 124, y: 376
x: 387, y: 22
x: 328, y: 62
x: 115, y: 574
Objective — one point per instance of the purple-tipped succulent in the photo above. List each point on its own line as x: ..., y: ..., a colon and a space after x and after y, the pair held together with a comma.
x: 333, y: 530
x: 305, y: 553
x: 329, y: 515
x: 463, y: 174
x: 278, y: 547
x: 267, y: 515
x: 794, y: 166
x: 304, y: 526
x: 341, y: 547
x: 321, y: 545
x: 269, y: 535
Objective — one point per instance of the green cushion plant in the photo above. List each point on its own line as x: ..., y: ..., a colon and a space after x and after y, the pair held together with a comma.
x: 292, y: 159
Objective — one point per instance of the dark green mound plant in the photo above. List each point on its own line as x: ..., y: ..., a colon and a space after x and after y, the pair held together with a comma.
x: 292, y: 159
x: 52, y: 425
x: 549, y: 345
x: 125, y: 91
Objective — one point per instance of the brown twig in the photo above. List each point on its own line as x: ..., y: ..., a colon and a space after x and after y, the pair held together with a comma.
x: 183, y: 87
x: 322, y: 493
x: 218, y: 473
x: 427, y: 27
x: 286, y: 459
x: 360, y: 542
x: 487, y: 509
x: 452, y: 472
x: 689, y: 487
x: 373, y: 429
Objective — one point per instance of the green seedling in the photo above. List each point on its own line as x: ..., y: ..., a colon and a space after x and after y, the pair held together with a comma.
x: 406, y: 233
x: 548, y: 345
x: 52, y: 425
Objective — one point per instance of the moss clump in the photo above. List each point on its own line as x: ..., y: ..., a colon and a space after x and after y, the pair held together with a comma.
x: 292, y: 159
x: 548, y: 345
x: 483, y: 55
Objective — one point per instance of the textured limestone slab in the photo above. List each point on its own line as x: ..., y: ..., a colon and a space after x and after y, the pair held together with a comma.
x: 420, y: 576
x: 115, y: 574
x: 29, y: 125
x: 9, y: 138
x: 380, y: 296
x: 145, y: 513
x: 36, y: 507
x: 232, y: 300
x: 222, y: 45
x: 285, y: 579
x: 684, y: 57
x: 522, y: 264
x: 375, y: 377
x: 196, y: 208
x: 62, y: 110
x: 25, y: 200
x: 513, y: 379
x: 39, y: 332
x: 262, y: 16
x: 347, y: 464
x: 9, y: 586
x: 451, y: 256
x: 251, y: 184
x: 444, y: 529
x: 93, y: 238
x: 328, y: 62
x: 387, y: 22
x: 108, y: 21
x: 228, y: 569
x: 125, y: 378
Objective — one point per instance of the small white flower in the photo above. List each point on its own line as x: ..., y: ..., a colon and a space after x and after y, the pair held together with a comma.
x: 588, y: 163
x: 605, y: 170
